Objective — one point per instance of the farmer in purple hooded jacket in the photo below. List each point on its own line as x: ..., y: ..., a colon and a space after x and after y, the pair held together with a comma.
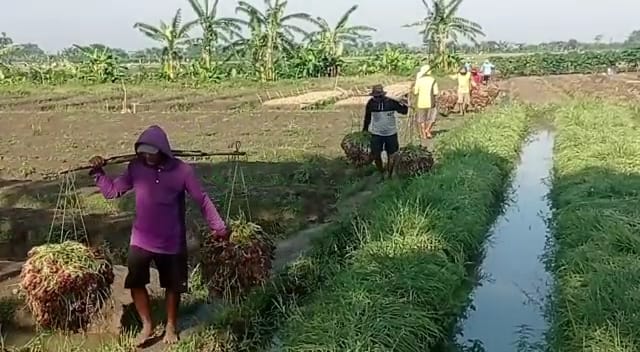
x: 159, y: 181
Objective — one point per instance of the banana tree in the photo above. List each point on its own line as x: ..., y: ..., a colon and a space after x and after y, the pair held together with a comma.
x: 442, y: 28
x: 100, y: 64
x: 173, y: 36
x: 214, y: 28
x: 333, y: 39
x: 272, y: 34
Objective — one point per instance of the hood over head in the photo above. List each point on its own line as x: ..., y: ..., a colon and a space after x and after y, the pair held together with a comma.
x: 157, y: 137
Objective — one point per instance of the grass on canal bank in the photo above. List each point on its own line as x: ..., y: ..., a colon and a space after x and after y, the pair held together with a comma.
x: 595, y: 254
x: 408, y: 281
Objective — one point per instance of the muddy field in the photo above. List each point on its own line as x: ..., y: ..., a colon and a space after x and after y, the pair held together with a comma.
x: 293, y: 172
x: 173, y: 98
x: 541, y: 90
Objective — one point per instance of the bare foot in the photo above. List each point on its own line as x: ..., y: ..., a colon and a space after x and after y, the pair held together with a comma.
x: 144, y: 335
x: 170, y: 335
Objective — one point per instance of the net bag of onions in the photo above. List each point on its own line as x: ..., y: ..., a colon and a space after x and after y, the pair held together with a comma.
x: 66, y: 284
x: 412, y: 160
x: 230, y: 268
x: 357, y: 148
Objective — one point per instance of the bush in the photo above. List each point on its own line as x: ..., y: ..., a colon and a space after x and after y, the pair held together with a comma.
x: 567, y: 63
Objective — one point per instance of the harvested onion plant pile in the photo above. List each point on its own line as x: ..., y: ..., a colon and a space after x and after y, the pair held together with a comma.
x: 483, y: 96
x: 305, y: 99
x: 357, y: 148
x: 412, y: 160
x: 446, y: 101
x: 230, y: 268
x: 65, y: 284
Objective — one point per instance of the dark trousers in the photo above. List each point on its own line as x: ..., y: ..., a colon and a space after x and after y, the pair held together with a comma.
x: 389, y: 144
x: 172, y: 269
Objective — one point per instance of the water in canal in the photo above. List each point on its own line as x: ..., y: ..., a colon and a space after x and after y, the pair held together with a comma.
x: 508, y: 313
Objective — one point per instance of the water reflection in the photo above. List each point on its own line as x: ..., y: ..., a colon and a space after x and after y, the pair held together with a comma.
x: 508, y: 313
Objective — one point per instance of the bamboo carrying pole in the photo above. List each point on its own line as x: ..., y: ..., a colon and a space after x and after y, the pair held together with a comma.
x: 119, y: 159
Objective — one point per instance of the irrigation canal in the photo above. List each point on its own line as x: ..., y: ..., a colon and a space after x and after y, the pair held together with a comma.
x: 508, y: 310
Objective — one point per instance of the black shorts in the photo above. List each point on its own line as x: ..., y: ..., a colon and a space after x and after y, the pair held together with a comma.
x: 486, y: 78
x: 172, y: 269
x: 389, y: 144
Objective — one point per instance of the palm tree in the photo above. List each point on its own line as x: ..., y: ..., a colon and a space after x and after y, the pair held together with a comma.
x: 333, y: 39
x: 442, y: 27
x: 271, y: 34
x: 214, y: 29
x: 172, y: 36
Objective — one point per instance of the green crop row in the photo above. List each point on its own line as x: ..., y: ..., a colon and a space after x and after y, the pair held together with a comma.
x: 596, y: 229
x: 407, y: 282
x: 566, y: 63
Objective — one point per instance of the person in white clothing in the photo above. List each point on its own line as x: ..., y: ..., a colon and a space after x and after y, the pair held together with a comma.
x: 487, y: 71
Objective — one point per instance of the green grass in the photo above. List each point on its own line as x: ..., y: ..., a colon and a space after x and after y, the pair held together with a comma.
x: 406, y: 282
x: 250, y: 324
x: 595, y: 257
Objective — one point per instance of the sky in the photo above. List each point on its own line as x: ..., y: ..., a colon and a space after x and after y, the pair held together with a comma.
x: 57, y: 24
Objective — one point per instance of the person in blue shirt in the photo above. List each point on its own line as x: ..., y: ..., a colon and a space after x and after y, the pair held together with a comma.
x: 487, y: 71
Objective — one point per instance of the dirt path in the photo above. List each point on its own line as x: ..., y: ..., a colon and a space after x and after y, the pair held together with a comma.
x: 290, y: 249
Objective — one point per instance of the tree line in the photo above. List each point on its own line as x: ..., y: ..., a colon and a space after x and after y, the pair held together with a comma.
x: 269, y: 37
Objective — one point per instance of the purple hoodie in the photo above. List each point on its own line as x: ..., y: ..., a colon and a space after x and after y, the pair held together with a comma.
x: 159, y: 224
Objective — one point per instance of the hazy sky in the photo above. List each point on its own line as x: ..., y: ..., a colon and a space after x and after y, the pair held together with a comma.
x: 55, y: 24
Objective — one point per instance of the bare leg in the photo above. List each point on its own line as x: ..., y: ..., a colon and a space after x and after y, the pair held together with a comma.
x: 423, y: 130
x: 428, y: 129
x: 378, y: 162
x: 141, y: 301
x: 390, y: 165
x: 171, y: 330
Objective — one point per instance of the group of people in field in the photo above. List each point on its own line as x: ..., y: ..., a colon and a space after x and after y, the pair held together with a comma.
x: 470, y: 76
x: 160, y: 181
x: 380, y: 110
